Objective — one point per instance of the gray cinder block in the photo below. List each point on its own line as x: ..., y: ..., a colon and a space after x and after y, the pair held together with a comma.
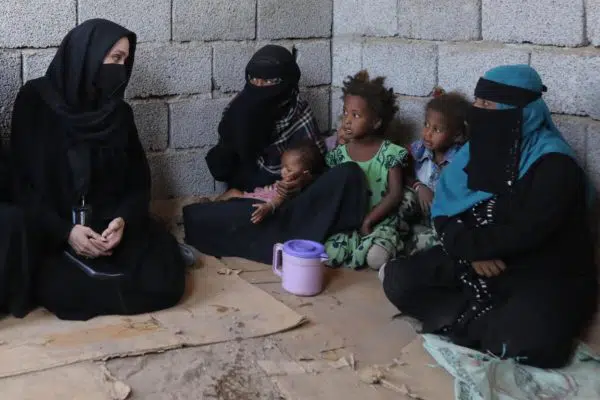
x: 165, y: 69
x: 314, y: 60
x: 280, y: 19
x: 410, y: 67
x: 411, y: 117
x: 370, y: 18
x: 554, y: 22
x: 593, y: 21
x: 152, y: 121
x: 439, y: 19
x: 571, y: 76
x: 461, y: 65
x: 347, y: 59
x: 27, y: 23
x: 10, y: 82
x: 36, y: 62
x: 180, y: 173
x: 214, y: 19
x: 230, y: 60
x: 592, y: 161
x: 337, y: 105
x: 194, y: 122
x: 575, y: 131
x: 149, y: 19
x: 319, y: 100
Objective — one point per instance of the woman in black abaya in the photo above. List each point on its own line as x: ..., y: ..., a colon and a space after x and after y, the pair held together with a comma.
x: 15, y: 262
x: 83, y: 178
x: 261, y: 122
x: 515, y: 274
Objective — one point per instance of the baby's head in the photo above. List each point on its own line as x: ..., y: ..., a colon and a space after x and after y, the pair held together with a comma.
x: 302, y: 158
x: 445, y: 121
x: 369, y: 106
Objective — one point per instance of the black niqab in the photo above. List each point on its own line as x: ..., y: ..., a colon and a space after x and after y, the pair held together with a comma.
x: 494, y: 149
x: 248, y: 124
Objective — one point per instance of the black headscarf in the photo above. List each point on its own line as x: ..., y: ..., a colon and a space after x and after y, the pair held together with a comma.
x: 247, y: 126
x: 69, y: 89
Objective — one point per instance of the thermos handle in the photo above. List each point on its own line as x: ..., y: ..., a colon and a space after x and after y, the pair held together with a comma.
x: 277, y: 255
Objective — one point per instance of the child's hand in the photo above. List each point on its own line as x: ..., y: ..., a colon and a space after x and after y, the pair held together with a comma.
x: 341, y: 138
x: 425, y: 196
x: 262, y: 210
x: 367, y: 227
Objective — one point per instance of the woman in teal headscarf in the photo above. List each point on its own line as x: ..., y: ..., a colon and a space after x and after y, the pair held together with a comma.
x: 515, y: 274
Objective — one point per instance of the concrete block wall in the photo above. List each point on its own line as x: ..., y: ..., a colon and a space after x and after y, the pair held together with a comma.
x: 420, y: 44
x: 190, y: 61
x: 192, y: 54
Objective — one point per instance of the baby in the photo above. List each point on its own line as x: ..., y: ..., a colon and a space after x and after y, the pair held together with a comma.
x: 303, y: 158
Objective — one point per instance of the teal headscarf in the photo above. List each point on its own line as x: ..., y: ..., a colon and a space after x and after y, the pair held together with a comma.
x: 539, y: 137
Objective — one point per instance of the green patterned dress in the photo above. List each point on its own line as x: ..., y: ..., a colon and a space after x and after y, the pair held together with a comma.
x: 350, y: 249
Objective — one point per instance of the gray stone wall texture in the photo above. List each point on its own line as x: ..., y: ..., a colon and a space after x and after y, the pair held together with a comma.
x: 190, y: 61
x: 192, y: 55
x: 418, y: 44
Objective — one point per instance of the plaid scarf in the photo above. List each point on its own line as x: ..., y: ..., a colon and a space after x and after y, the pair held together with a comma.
x: 298, y: 124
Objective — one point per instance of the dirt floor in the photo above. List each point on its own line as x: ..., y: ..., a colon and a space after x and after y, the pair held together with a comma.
x: 350, y: 318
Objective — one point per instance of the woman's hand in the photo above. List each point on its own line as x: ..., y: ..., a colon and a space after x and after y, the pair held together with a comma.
x: 292, y: 185
x: 114, y: 233
x: 490, y: 268
x: 425, y: 196
x: 261, y: 212
x: 88, y: 243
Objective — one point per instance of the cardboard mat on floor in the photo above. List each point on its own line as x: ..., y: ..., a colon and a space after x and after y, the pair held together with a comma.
x: 219, y: 308
x: 412, y: 375
x: 83, y: 381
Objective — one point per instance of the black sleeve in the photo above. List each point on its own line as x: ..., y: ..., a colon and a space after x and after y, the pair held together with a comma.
x: 134, y: 206
x: 28, y: 165
x: 555, y: 187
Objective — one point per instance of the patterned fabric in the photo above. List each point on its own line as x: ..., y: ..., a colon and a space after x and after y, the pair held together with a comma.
x: 481, y: 297
x: 427, y: 171
x: 298, y: 124
x: 422, y: 237
x: 350, y: 249
x: 480, y: 376
x: 376, y: 169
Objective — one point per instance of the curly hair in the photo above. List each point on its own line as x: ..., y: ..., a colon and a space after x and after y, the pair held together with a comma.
x: 381, y: 101
x: 454, y: 107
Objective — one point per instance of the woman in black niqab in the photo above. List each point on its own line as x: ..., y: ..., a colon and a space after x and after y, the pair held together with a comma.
x: 83, y: 178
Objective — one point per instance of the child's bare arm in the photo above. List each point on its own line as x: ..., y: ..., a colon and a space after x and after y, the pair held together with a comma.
x: 262, y: 210
x: 230, y: 194
x: 389, y: 202
x: 277, y: 201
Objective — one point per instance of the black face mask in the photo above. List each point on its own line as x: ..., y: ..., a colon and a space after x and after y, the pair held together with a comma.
x: 111, y: 81
x: 494, y: 149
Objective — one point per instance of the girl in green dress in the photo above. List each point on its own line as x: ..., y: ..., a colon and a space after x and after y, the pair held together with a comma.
x: 369, y: 107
